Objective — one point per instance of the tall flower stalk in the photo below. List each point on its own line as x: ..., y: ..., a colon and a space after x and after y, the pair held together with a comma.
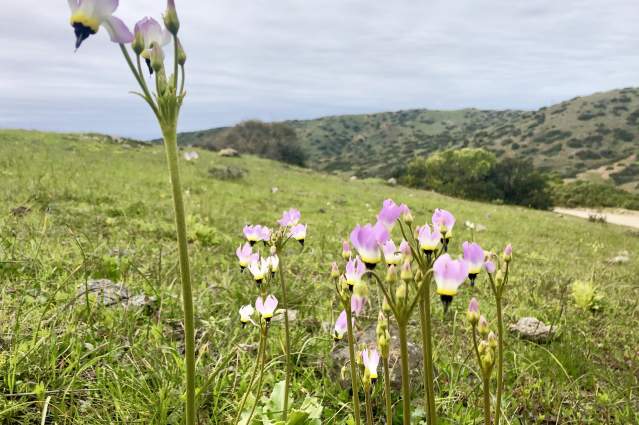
x: 498, y: 280
x: 87, y: 16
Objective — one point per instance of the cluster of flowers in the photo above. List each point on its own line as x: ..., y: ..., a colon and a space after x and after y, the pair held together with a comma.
x: 409, y: 266
x: 263, y: 270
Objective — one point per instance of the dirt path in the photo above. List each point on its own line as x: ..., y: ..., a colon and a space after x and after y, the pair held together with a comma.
x: 614, y: 216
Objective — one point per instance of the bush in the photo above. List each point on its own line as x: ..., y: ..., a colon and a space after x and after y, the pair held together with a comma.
x: 477, y: 174
x: 591, y: 194
x: 274, y: 141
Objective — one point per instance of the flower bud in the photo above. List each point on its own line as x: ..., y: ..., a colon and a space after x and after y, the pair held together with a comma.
x: 400, y: 294
x: 138, y: 43
x: 162, y: 83
x: 407, y: 217
x: 181, y: 54
x: 334, y: 270
x: 473, y: 312
x: 361, y: 290
x: 157, y: 58
x: 406, y: 273
x: 482, y: 347
x: 482, y: 326
x: 391, y: 274
x: 386, y: 308
x: 508, y: 253
x: 487, y: 360
x: 418, y: 275
x: 346, y: 250
x: 171, y: 20
x: 499, y: 278
x: 489, y: 266
x: 492, y: 340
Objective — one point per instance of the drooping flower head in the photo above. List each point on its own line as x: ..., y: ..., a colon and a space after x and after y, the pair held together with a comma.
x: 149, y: 33
x: 87, y: 16
x: 449, y: 274
x: 274, y: 263
x: 341, y: 326
x: 390, y: 213
x: 245, y: 314
x: 367, y: 239
x: 474, y: 257
x: 428, y: 240
x: 355, y: 269
x: 391, y: 254
x: 246, y: 256
x: 259, y: 269
x: 170, y: 17
x: 266, y: 307
x: 257, y: 233
x: 298, y: 232
x: 443, y: 221
x: 370, y: 359
x: 290, y: 218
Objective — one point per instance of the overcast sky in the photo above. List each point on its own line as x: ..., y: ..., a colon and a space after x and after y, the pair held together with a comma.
x: 283, y: 59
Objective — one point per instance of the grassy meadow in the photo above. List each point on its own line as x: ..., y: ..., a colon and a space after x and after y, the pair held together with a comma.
x: 95, y: 209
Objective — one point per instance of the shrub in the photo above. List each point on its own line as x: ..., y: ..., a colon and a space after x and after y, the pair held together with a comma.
x: 583, y: 193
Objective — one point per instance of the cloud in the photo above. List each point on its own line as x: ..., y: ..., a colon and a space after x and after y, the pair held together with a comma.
x: 286, y: 59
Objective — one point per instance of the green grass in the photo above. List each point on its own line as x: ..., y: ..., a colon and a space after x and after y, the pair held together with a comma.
x: 103, y: 210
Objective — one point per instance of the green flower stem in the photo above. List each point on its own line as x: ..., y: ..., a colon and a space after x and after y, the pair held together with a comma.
x: 486, y: 380
x: 287, y: 338
x: 253, y: 375
x: 262, y: 363
x: 170, y: 145
x: 403, y: 343
x: 500, y: 359
x: 387, y: 391
x: 369, y: 406
x: 351, y: 354
x: 424, y: 310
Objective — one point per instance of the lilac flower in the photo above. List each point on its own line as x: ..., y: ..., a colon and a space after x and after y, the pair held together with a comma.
x: 246, y: 256
x: 489, y: 266
x: 257, y: 233
x: 367, y: 239
x: 355, y: 269
x: 298, y: 232
x: 371, y: 363
x: 428, y: 240
x: 443, y: 221
x: 259, y: 269
x: 357, y: 304
x: 390, y: 213
x: 341, y: 326
x: 151, y: 35
x: 290, y: 218
x: 245, y: 314
x: 391, y: 254
x: 87, y: 16
x: 449, y: 274
x: 266, y: 307
x: 474, y: 257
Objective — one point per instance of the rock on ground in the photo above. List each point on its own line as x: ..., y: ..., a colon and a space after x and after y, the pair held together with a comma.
x: 229, y: 152
x: 532, y: 329
x: 111, y: 294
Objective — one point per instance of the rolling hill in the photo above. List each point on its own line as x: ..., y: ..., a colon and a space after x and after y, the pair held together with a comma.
x: 591, y: 137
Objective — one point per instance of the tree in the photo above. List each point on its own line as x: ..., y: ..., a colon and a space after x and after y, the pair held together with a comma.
x: 519, y: 183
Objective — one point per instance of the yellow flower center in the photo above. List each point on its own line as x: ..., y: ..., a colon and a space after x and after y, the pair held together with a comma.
x: 82, y: 19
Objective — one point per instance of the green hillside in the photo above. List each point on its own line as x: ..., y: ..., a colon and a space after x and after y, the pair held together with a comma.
x: 73, y: 209
x: 593, y: 137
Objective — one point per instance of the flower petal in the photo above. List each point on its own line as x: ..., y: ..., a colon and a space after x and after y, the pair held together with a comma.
x: 118, y: 30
